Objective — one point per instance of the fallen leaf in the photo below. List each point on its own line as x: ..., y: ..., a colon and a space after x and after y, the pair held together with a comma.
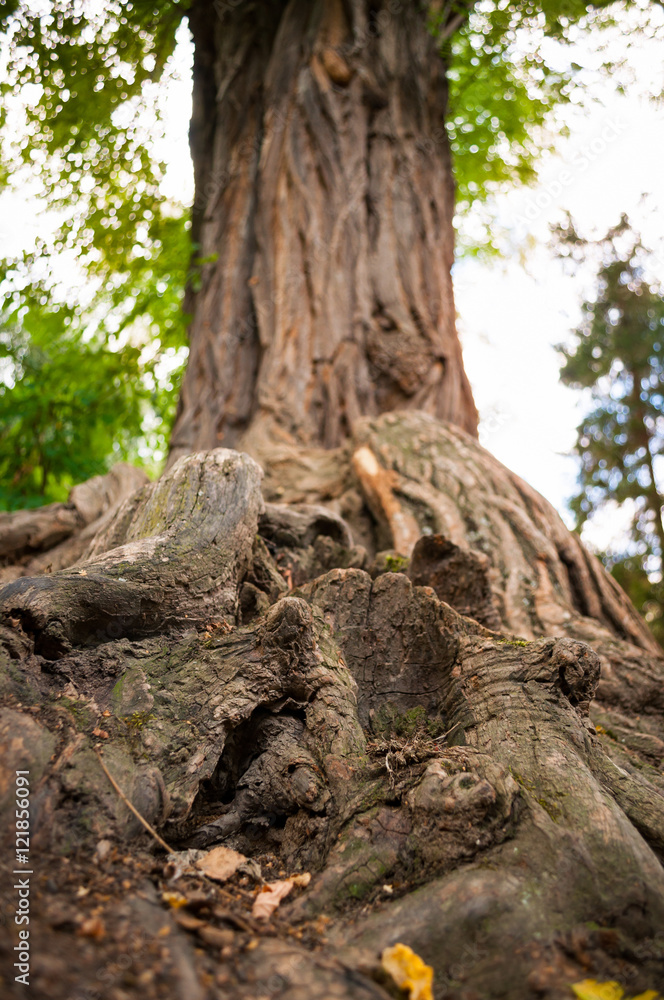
x: 302, y: 880
x: 93, y: 927
x: 101, y: 733
x: 267, y: 901
x: 220, y: 863
x: 188, y: 922
x: 174, y: 899
x: 590, y: 989
x: 408, y: 971
x: 103, y: 849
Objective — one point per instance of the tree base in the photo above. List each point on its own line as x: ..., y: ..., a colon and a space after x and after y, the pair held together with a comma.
x: 248, y: 674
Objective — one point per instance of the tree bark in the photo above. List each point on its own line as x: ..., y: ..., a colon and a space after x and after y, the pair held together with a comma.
x: 255, y: 676
x: 318, y: 142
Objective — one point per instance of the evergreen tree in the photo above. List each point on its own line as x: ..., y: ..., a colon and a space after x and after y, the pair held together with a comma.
x: 618, y: 355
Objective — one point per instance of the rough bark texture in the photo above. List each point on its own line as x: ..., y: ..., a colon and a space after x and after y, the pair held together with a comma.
x: 318, y: 142
x: 303, y: 692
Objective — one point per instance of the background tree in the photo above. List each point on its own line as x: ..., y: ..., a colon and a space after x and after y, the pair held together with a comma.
x: 618, y: 355
x: 73, y: 399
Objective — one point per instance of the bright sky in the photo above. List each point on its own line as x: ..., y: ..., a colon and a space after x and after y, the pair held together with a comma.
x: 511, y: 313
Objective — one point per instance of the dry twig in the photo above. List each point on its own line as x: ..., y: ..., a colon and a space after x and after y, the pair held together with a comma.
x: 132, y: 808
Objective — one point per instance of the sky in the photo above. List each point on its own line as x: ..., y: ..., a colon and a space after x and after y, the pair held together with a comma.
x: 511, y: 313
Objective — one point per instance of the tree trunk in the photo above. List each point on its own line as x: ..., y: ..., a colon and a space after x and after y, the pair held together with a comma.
x: 262, y: 677
x: 323, y: 213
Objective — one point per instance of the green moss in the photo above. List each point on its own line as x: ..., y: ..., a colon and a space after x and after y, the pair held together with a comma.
x: 81, y: 714
x: 137, y: 720
x: 514, y: 642
x: 553, y: 809
x: 359, y: 883
x: 396, y: 563
x: 14, y: 682
x: 414, y: 721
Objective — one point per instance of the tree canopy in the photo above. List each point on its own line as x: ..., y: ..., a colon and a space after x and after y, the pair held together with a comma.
x: 618, y: 355
x: 81, y: 111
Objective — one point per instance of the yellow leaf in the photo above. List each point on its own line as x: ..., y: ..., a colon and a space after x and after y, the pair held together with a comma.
x: 408, y: 971
x: 174, y: 899
x: 590, y: 989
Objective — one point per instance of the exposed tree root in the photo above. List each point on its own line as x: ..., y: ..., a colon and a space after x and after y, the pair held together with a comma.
x: 292, y: 695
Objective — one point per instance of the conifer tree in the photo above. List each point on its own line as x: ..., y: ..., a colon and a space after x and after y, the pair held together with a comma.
x: 618, y: 355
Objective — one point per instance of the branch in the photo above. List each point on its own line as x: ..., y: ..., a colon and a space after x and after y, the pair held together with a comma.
x: 454, y: 17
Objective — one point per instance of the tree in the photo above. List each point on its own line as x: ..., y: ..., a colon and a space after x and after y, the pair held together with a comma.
x: 68, y: 403
x: 619, y: 355
x: 384, y: 662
